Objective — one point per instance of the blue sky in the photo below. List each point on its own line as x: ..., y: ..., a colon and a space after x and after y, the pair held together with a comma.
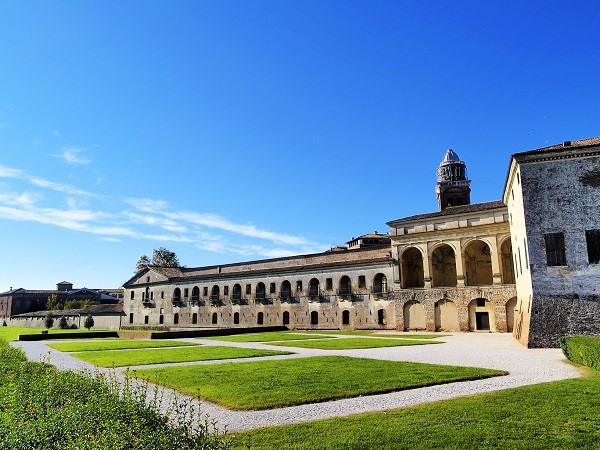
x: 236, y: 130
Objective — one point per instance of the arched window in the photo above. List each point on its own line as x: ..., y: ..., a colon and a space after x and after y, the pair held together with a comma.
x: 345, y: 286
x: 195, y: 318
x: 380, y: 284
x: 260, y: 318
x: 236, y: 318
x: 175, y: 318
x: 285, y: 292
x: 215, y: 318
x: 177, y: 295
x: 260, y: 291
x: 195, y: 294
x: 314, y: 318
x: 412, y: 268
x: 381, y: 317
x: 478, y: 264
x: 237, y: 293
x: 215, y: 296
x: 345, y: 317
x: 286, y: 318
x: 313, y: 288
x: 443, y: 265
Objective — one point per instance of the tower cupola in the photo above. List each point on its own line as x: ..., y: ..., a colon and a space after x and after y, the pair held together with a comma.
x: 452, y: 187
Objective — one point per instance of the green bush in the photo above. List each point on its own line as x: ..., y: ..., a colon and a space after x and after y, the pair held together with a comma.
x: 45, y: 408
x: 582, y: 349
x: 63, y: 324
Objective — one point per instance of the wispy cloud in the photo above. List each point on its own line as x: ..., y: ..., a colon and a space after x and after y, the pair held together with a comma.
x: 72, y: 155
x: 10, y: 172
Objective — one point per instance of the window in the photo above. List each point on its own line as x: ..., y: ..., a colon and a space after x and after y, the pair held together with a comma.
x: 152, y: 295
x: 328, y: 284
x: 272, y: 288
x: 381, y: 317
x: 362, y: 283
x: 248, y: 289
x: 286, y: 318
x: 214, y: 318
x: 162, y: 294
x: 186, y: 292
x: 225, y: 290
x: 195, y: 318
x: 205, y: 291
x: 299, y: 286
x: 592, y: 238
x: 260, y: 318
x: 146, y: 320
x: 175, y: 318
x: 130, y: 317
x: 555, y: 249
x: 236, y: 318
x: 346, y: 317
x: 314, y: 318
x: 161, y: 319
x: 132, y: 295
x: 147, y: 279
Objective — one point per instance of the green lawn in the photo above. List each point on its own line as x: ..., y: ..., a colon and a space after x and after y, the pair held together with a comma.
x: 559, y: 415
x: 124, y: 358
x: 266, y: 337
x: 376, y: 333
x: 353, y: 343
x: 115, y: 344
x: 275, y: 383
x: 12, y: 333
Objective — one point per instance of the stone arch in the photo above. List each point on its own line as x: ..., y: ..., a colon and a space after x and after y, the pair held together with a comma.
x: 313, y: 288
x: 286, y: 318
x: 380, y: 284
x: 345, y: 317
x: 260, y: 318
x: 260, y: 292
x: 345, y: 286
x: 314, y: 318
x: 414, y: 316
x: 285, y: 292
x: 195, y: 294
x: 446, y: 316
x: 177, y: 295
x: 481, y: 315
x: 443, y: 266
x: 412, y: 268
x: 236, y: 295
x: 508, y: 268
x: 478, y: 263
x: 510, y: 306
x: 215, y: 294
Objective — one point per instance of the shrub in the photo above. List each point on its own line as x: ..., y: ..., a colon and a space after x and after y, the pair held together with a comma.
x: 48, y: 320
x: 73, y: 326
x: 89, y: 322
x: 62, y: 323
x: 582, y: 349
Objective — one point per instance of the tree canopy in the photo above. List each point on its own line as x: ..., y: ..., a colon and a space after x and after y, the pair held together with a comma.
x: 160, y: 257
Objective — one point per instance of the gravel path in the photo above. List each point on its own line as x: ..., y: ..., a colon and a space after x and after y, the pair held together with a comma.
x: 492, y: 350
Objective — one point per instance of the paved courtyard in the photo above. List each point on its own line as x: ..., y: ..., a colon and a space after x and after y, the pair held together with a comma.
x: 491, y: 350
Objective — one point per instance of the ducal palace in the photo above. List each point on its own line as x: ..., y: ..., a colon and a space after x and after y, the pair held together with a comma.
x: 528, y: 264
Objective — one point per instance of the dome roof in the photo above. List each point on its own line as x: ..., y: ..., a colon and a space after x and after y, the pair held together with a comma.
x: 450, y: 156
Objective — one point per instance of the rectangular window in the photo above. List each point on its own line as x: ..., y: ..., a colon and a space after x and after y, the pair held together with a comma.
x: 525, y: 251
x: 152, y: 295
x: 205, y: 291
x: 186, y: 292
x: 132, y: 295
x: 555, y: 249
x: 592, y: 238
x: 272, y: 288
x: 299, y: 286
x: 362, y: 283
x: 162, y: 294
x: 248, y: 289
x: 328, y: 284
x: 520, y: 265
x: 226, y: 290
x: 130, y: 317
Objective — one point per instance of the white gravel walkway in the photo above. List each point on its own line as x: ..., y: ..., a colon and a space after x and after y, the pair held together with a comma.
x: 491, y: 350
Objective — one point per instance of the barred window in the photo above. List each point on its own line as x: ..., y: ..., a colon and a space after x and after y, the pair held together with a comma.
x: 555, y: 249
x: 592, y: 238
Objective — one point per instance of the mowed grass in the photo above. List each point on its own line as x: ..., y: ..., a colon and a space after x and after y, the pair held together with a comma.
x: 12, y: 333
x: 286, y: 382
x: 266, y: 337
x: 374, y: 333
x: 353, y: 343
x: 558, y: 415
x: 140, y: 357
x: 115, y: 344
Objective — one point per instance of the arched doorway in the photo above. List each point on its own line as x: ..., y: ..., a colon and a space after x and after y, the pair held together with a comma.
x: 478, y: 264
x: 314, y: 318
x: 446, y: 316
x: 412, y: 268
x: 510, y: 314
x: 236, y: 318
x: 508, y: 268
x: 414, y: 316
x: 381, y: 317
x: 345, y: 317
x: 286, y: 318
x: 215, y: 318
x: 195, y: 318
x: 481, y: 315
x: 260, y: 318
x: 443, y: 266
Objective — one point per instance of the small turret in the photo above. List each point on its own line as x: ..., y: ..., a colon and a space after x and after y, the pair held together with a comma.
x: 452, y: 187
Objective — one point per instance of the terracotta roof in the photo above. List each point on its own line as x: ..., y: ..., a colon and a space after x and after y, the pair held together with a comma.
x: 453, y: 210
x: 567, y: 145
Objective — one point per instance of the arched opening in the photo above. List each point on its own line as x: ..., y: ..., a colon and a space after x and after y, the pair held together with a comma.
x: 260, y: 293
x: 195, y: 318
x: 236, y: 318
x: 285, y: 293
x: 313, y: 288
x: 286, y: 318
x: 478, y: 264
x: 381, y: 317
x: 443, y: 266
x: 177, y: 295
x: 215, y: 296
x: 176, y: 319
x: 215, y: 318
x: 510, y: 314
x: 412, y: 268
x: 314, y: 318
x: 380, y: 284
x: 195, y: 294
x: 481, y: 315
x: 345, y: 317
x: 414, y: 316
x: 508, y: 268
x: 236, y: 294
x: 260, y: 318
x: 345, y: 286
x: 446, y: 316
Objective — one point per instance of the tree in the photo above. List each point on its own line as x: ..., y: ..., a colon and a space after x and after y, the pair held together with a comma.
x: 53, y: 303
x: 89, y: 322
x: 48, y: 320
x: 164, y: 258
x: 142, y: 263
x: 62, y: 323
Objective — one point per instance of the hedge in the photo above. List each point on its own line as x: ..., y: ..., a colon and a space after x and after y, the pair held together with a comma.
x: 582, y: 350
